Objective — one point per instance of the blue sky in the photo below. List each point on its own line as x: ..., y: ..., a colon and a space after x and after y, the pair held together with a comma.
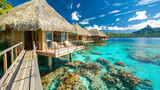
x: 107, y: 15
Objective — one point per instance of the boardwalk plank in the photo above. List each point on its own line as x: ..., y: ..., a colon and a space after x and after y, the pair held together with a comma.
x: 18, y: 78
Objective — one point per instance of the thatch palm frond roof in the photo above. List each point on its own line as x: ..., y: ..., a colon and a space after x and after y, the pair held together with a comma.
x: 96, y: 32
x: 80, y: 30
x: 34, y: 15
x: 103, y: 34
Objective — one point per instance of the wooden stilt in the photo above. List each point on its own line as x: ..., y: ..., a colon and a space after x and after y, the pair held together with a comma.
x: 70, y: 57
x: 50, y: 62
x: 5, y: 62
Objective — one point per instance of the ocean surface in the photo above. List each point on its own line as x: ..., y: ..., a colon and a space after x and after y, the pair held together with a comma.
x: 141, y: 53
x: 122, y: 49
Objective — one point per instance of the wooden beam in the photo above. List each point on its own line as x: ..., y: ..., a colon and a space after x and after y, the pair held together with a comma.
x: 5, y: 62
x: 12, y: 56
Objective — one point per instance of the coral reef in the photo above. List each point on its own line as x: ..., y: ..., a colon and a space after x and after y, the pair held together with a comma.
x: 49, y: 78
x: 96, y: 53
x: 140, y: 58
x: 102, y: 61
x: 120, y: 63
x: 129, y: 78
x: 76, y: 64
x: 69, y: 81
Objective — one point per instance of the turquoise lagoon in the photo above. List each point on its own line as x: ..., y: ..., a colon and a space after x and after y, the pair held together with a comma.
x: 123, y: 50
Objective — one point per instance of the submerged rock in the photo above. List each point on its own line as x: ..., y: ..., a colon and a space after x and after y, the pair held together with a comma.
x: 120, y: 63
x: 102, y: 61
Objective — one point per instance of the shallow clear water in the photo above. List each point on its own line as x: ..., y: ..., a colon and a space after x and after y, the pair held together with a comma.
x: 121, y: 49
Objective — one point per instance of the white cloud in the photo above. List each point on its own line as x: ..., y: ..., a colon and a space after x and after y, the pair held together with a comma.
x: 157, y: 15
x: 75, y: 16
x: 153, y: 23
x: 115, y: 11
x: 117, y: 19
x: 86, y: 21
x: 102, y: 15
x: 152, y: 5
x: 96, y: 27
x: 71, y: 6
x: 140, y: 16
x: 117, y: 4
x: 145, y: 2
x: 126, y: 12
x: 78, y: 5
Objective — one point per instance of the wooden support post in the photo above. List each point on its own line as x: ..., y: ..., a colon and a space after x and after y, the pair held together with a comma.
x: 77, y: 37
x: 12, y: 56
x: 70, y: 57
x: 16, y: 51
x: 5, y: 62
x: 50, y: 63
x: 52, y: 36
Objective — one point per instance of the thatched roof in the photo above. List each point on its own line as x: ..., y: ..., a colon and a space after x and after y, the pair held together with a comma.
x: 80, y: 30
x: 34, y: 15
x: 96, y: 32
x: 103, y: 34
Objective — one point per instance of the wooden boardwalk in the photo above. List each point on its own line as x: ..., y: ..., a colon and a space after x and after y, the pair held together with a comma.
x: 25, y: 79
x: 23, y: 74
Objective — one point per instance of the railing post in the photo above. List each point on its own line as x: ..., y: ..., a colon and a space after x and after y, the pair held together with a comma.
x: 5, y: 62
x: 12, y: 56
x: 16, y: 51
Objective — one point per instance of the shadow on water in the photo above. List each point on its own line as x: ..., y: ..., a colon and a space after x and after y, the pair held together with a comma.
x: 43, y: 64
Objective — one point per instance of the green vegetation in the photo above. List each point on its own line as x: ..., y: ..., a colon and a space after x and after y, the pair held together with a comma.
x: 5, y: 6
x: 145, y: 32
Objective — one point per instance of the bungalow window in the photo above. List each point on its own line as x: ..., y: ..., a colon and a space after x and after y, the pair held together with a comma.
x: 63, y: 37
x: 49, y: 39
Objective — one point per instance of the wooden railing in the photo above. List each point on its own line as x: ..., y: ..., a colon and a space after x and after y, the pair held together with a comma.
x: 50, y: 46
x: 17, y: 47
x: 36, y: 70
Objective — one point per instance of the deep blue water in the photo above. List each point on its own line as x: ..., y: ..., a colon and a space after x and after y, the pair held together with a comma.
x: 122, y: 49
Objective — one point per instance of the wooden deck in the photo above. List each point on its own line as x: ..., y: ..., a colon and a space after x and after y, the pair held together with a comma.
x: 59, y: 52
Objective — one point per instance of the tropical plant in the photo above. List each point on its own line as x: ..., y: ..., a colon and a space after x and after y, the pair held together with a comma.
x: 5, y: 6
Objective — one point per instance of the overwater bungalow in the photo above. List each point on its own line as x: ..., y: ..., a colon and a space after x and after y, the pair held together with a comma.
x: 98, y: 35
x: 81, y: 34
